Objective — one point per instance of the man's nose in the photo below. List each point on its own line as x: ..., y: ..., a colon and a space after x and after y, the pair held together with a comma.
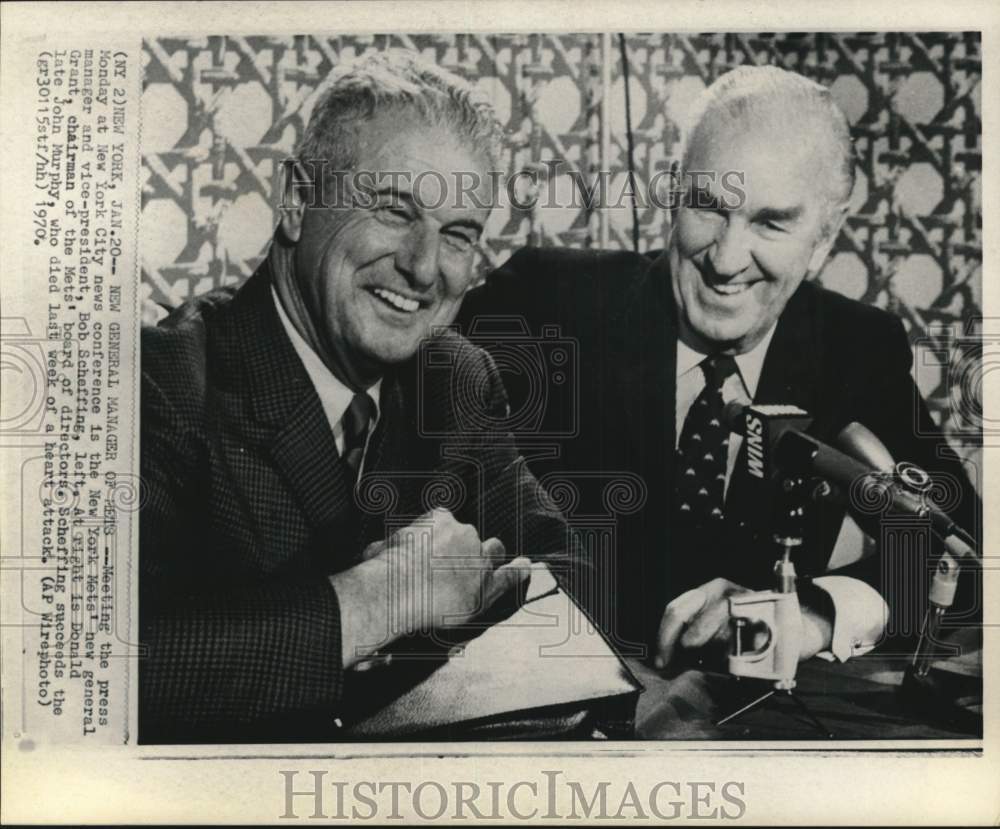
x: 417, y: 256
x: 730, y: 253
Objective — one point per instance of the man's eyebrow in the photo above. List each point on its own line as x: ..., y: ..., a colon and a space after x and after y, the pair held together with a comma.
x: 702, y: 197
x: 396, y: 193
x: 407, y: 196
x: 779, y: 214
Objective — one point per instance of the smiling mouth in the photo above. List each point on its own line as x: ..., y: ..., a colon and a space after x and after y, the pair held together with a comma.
x: 398, y: 302
x: 721, y: 287
x: 729, y: 289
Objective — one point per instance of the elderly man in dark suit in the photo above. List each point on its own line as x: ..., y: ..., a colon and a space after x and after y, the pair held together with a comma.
x: 727, y: 313
x: 305, y: 446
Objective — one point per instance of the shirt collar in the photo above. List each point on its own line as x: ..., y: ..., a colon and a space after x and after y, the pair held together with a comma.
x: 333, y: 394
x: 749, y: 364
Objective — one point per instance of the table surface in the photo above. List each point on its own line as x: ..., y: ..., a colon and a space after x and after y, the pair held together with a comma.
x: 503, y: 669
x: 856, y: 700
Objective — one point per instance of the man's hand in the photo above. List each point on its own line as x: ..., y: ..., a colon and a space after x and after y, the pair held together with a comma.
x: 434, y: 573
x: 699, y: 619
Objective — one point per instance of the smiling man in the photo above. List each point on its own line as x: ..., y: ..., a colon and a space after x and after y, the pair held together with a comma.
x: 730, y: 313
x: 735, y: 264
x: 317, y: 486
x: 738, y: 258
x: 365, y: 286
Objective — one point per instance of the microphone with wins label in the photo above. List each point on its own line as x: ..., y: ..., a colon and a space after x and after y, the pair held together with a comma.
x: 777, y: 445
x: 863, y: 475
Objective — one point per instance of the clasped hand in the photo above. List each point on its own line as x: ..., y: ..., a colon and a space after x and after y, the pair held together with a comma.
x: 697, y: 622
x: 435, y: 573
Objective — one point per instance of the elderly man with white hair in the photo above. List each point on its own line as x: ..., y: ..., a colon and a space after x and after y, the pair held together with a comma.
x: 319, y: 483
x: 730, y: 312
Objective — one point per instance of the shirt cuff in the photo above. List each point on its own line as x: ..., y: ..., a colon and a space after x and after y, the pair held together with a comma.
x: 860, y: 616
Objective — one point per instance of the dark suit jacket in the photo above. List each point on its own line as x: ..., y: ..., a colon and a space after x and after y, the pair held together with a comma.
x: 247, y: 510
x: 839, y: 360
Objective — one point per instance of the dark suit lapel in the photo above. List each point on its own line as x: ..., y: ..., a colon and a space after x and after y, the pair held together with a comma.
x: 305, y: 452
x: 647, y: 396
x: 295, y: 430
x: 790, y: 373
x: 384, y: 456
x: 793, y: 361
x: 649, y: 333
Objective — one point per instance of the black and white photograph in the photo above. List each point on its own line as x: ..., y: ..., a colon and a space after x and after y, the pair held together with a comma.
x: 510, y: 324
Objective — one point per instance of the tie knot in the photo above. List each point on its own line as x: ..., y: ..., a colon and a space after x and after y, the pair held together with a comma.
x: 718, y: 368
x: 356, y: 418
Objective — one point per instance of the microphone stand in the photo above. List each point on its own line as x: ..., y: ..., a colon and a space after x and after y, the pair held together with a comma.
x: 779, y: 611
x: 782, y: 442
x: 922, y: 690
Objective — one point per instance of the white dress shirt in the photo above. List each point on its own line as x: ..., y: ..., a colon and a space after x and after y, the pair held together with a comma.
x: 860, y: 613
x: 334, y: 396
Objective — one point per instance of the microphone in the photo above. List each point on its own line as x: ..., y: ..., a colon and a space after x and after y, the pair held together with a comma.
x: 910, y: 485
x: 770, y: 422
x: 861, y: 443
x: 777, y: 445
x: 762, y: 427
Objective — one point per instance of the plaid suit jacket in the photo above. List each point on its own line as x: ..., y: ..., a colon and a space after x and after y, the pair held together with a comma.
x: 248, y: 509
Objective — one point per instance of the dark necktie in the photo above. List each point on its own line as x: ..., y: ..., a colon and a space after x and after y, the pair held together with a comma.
x: 355, y: 422
x: 702, y: 457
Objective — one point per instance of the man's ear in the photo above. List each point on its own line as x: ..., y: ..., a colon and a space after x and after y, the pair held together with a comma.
x: 297, y: 185
x: 824, y: 246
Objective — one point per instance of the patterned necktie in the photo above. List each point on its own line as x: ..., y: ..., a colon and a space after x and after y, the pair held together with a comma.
x: 355, y: 422
x: 702, y: 457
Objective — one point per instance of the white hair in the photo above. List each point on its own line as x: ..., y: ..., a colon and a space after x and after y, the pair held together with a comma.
x: 354, y: 93
x: 769, y: 94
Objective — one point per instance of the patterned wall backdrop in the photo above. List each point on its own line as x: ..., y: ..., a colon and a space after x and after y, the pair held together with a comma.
x: 221, y: 113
